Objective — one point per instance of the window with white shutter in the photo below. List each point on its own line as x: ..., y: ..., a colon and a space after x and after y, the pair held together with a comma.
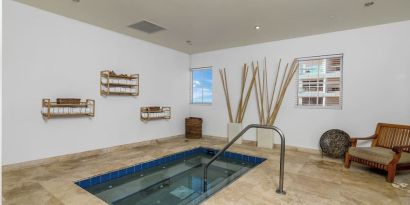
x: 319, y: 81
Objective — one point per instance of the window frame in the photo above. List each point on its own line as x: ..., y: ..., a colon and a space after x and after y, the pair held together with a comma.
x: 337, y: 107
x: 191, y: 85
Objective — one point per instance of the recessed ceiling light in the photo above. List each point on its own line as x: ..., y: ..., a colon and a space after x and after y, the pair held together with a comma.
x: 257, y: 27
x: 369, y: 4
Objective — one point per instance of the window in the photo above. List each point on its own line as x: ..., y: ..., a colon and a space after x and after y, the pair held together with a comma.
x: 201, y: 85
x: 319, y: 81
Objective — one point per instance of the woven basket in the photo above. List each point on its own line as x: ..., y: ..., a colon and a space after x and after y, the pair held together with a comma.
x: 193, y: 128
x: 68, y: 101
x: 154, y: 109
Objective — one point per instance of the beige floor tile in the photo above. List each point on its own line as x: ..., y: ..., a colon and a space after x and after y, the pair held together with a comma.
x: 309, y: 178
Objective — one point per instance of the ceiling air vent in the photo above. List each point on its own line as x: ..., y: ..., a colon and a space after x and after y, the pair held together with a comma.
x: 146, y: 27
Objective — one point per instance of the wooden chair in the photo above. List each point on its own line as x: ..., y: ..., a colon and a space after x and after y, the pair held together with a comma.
x: 390, y: 149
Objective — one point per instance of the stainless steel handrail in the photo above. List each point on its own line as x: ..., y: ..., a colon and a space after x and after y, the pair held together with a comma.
x: 282, y: 154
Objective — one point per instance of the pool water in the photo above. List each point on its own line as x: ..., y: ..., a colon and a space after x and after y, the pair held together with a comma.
x: 174, y: 179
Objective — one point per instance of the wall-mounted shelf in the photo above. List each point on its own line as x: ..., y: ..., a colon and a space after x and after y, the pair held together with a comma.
x: 118, y: 84
x: 155, y: 113
x: 67, y: 107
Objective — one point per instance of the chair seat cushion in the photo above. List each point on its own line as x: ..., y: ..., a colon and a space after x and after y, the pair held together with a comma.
x: 378, y: 154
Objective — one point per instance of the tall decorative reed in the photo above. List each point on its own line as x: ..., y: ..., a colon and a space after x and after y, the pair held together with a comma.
x: 269, y: 103
x: 244, y: 97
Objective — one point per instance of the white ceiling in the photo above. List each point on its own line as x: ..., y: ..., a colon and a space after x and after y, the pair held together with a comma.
x: 217, y: 24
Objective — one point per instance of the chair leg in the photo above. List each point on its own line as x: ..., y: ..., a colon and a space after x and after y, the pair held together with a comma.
x: 347, y: 161
x: 391, y: 173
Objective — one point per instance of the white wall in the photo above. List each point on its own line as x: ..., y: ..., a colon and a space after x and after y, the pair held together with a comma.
x: 376, y: 82
x: 46, y: 55
x: 49, y: 56
x: 1, y: 93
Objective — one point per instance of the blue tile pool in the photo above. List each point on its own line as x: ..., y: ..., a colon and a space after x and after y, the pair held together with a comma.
x: 172, y: 179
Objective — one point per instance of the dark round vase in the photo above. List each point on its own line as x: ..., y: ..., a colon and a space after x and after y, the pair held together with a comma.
x: 334, y: 143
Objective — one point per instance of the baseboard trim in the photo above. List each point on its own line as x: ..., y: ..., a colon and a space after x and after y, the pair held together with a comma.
x: 73, y: 156
x: 275, y: 146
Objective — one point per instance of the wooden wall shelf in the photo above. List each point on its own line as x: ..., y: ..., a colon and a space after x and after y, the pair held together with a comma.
x: 155, y: 113
x: 64, y: 107
x: 118, y: 84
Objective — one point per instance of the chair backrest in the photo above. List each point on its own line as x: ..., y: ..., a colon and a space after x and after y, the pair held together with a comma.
x: 390, y: 135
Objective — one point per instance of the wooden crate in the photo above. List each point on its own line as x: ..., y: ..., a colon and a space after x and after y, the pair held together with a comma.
x: 193, y: 128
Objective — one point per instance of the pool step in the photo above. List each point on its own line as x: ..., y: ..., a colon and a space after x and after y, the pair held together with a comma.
x: 191, y: 198
x: 152, y: 180
x: 129, y: 188
x: 184, y: 186
x: 214, y: 186
x: 152, y: 190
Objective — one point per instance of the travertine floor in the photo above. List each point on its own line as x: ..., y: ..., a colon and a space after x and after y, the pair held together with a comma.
x: 309, y: 179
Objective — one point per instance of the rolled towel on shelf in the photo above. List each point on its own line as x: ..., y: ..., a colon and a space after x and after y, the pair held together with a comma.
x: 79, y: 110
x: 44, y: 110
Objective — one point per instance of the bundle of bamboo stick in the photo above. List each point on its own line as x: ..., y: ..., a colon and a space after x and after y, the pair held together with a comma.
x: 243, y: 100
x: 268, y: 104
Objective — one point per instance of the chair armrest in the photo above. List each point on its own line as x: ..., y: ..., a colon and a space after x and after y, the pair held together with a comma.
x: 353, y: 141
x: 399, y: 149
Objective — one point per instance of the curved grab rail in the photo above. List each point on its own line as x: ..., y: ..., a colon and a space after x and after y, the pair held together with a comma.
x: 282, y: 154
